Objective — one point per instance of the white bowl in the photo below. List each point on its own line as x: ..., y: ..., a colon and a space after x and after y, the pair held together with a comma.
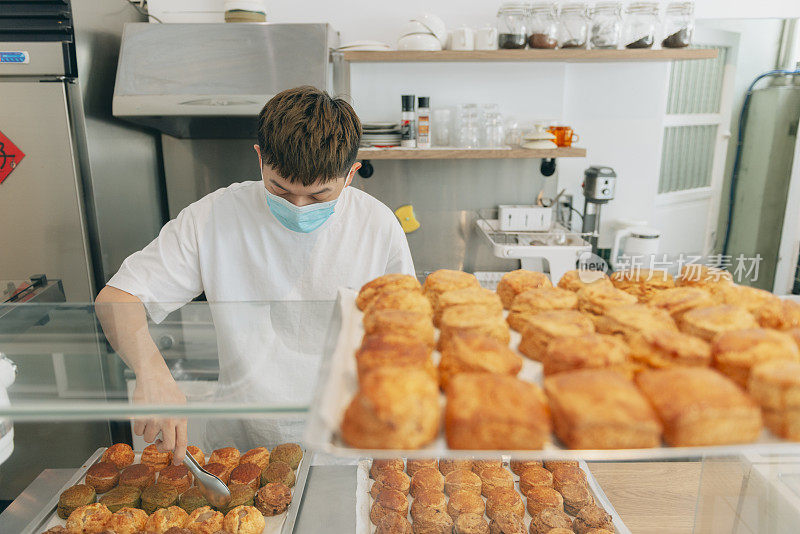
x: 435, y: 25
x: 412, y: 27
x: 419, y: 41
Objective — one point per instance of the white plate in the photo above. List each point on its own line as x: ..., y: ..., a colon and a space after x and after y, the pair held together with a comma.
x: 365, y: 43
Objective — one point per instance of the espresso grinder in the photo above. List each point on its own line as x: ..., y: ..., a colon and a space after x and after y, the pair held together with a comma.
x: 598, y: 188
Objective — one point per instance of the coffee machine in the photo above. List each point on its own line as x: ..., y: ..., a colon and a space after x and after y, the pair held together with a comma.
x: 599, y: 184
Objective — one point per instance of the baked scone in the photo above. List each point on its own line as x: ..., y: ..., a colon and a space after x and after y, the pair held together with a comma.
x: 495, y: 412
x: 534, y: 477
x: 749, y: 298
x: 427, y: 479
x: 470, y: 524
x: 445, y: 280
x: 462, y: 480
x: 577, y: 279
x: 402, y: 299
x: 192, y: 499
x: 393, y: 523
x: 783, y: 423
x: 119, y: 454
x: 414, y: 465
x: 241, y: 495
x: 388, y: 500
x: 543, y: 328
x: 696, y: 275
x: 247, y: 474
x: 102, y: 476
x: 122, y: 497
x: 588, y: 351
x: 507, y: 523
x: 576, y: 496
x: 552, y: 465
x: 244, y: 520
x: 700, y: 406
x: 539, y: 300
x: 642, y: 283
x: 779, y: 314
x: 597, y: 299
x: 775, y: 386
x: 89, y: 519
x: 567, y: 474
x: 177, y: 476
x: 73, y: 498
x: 473, y: 297
x: 274, y: 498
x: 165, y: 518
x: 278, y: 472
x: 660, y: 349
x: 158, y: 496
x: 446, y: 465
x: 410, y: 324
x: 226, y: 455
x: 465, y: 502
x: 378, y: 466
x: 476, y: 353
x: 383, y: 284
x: 204, y: 521
x: 432, y: 521
x: 393, y: 350
x: 479, y: 465
x: 428, y: 499
x: 182, y: 530
x: 515, y: 282
x: 678, y: 300
x: 549, y: 519
x: 493, y: 478
x: 396, y: 480
x: 137, y: 475
x: 592, y: 517
x: 196, y: 453
x: 708, y: 323
x: 518, y: 466
x: 634, y: 319
x: 219, y: 470
x: 258, y: 456
x: 735, y: 353
x: 463, y: 319
x: 600, y: 409
x: 501, y: 499
x: 127, y: 521
x: 156, y: 459
x: 541, y: 497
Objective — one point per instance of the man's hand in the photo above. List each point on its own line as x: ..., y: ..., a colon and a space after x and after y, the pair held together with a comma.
x: 158, y: 387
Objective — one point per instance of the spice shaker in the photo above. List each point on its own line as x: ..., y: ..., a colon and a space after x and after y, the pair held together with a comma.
x: 678, y: 25
x: 640, y: 24
x: 606, y: 25
x: 512, y: 20
x: 408, y: 127
x: 424, y: 122
x: 543, y: 26
x: 574, y: 25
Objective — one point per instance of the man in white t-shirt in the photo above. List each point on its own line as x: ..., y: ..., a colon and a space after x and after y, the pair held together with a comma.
x: 297, y: 235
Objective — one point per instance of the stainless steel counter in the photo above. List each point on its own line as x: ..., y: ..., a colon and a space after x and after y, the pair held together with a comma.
x: 329, y: 501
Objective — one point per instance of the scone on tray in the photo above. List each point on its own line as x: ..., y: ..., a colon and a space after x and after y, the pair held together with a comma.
x: 588, y: 351
x: 539, y: 300
x: 384, y: 350
x: 736, y: 352
x: 644, y: 284
x: 545, y: 327
x: 775, y: 386
x: 597, y: 299
x: 401, y: 299
x: 679, y: 300
x: 477, y: 353
x: 461, y: 319
x: 577, y: 279
x: 410, y: 324
x: 444, y: 280
x: 659, y: 349
x: 626, y: 321
x: 385, y: 284
x: 702, y: 276
x: 708, y: 323
x: 473, y: 297
x: 515, y: 282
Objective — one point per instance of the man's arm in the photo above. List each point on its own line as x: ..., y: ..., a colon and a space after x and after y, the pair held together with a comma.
x: 124, y: 323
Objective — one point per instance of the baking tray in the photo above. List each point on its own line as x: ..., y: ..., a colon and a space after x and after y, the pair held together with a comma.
x: 338, y: 383
x: 279, y: 524
x: 364, y: 499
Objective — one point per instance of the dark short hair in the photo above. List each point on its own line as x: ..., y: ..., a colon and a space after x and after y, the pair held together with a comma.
x: 307, y: 136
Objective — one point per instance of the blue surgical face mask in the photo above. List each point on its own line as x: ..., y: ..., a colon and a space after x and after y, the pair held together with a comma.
x: 302, y: 219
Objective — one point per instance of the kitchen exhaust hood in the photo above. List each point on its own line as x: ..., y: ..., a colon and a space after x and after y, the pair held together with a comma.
x: 211, y: 80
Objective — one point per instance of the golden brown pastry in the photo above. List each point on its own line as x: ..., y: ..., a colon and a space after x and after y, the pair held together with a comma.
x: 552, y: 465
x: 507, y: 523
x: 247, y: 474
x: 495, y: 477
x: 432, y: 521
x: 735, y: 353
x: 228, y: 456
x: 258, y: 456
x: 479, y: 465
x: 539, y: 300
x: 600, y: 409
x: 89, y: 519
x: 410, y: 324
x: 445, y: 280
x: 699, y: 406
x: 241, y: 495
x: 775, y: 386
x: 642, y: 283
x: 393, y: 523
x: 192, y: 499
x: 396, y: 480
x: 795, y: 333
x: 221, y: 471
x: 73, y: 498
x: 541, y: 497
x: 588, y: 351
x: 549, y: 519
x: 660, y: 349
x: 166, y: 518
x: 503, y: 499
x: 779, y: 314
x: 378, y: 466
x: 597, y: 299
x: 388, y: 500
x: 427, y: 479
x: 204, y: 521
x: 478, y: 414
x: 289, y: 453
x: 275, y: 498
x: 545, y: 327
x: 749, y: 298
x: 461, y: 319
x: 696, y: 275
x: 476, y: 353
x: 515, y: 282
x: 121, y: 497
x: 634, y: 319
x: 465, y: 502
x: 127, y: 521
x: 567, y: 474
x: 579, y: 278
x: 784, y: 423
x: 473, y: 297
x: 414, y: 465
x: 462, y: 480
x: 518, y: 466
x: 534, y: 477
x: 137, y: 475
x: 401, y: 299
x: 197, y: 454
x: 592, y: 517
x: 244, y: 520
x: 428, y: 499
x: 177, y: 476
x: 470, y: 524
x: 708, y: 323
x: 119, y: 454
x: 278, y: 472
x: 154, y: 458
x: 392, y: 350
x: 678, y: 300
x: 102, y: 476
x: 446, y: 466
x: 576, y: 496
x: 396, y: 408
x: 158, y: 496
x: 383, y: 284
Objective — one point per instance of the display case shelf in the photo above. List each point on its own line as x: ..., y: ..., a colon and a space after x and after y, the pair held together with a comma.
x: 470, y: 153
x: 565, y: 55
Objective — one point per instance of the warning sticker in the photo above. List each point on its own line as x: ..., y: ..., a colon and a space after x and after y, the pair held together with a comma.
x: 10, y: 156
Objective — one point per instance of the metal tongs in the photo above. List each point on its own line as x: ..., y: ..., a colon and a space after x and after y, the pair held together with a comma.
x: 213, y: 489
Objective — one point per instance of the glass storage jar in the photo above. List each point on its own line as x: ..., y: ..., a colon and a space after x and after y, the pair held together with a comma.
x: 606, y: 25
x: 543, y: 26
x: 678, y: 25
x: 512, y: 25
x: 574, y: 25
x: 641, y: 19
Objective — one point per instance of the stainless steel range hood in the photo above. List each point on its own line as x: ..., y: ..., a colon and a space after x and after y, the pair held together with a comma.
x: 211, y: 80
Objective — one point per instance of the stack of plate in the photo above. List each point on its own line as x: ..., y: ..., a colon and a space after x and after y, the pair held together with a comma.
x: 365, y: 46
x: 380, y: 134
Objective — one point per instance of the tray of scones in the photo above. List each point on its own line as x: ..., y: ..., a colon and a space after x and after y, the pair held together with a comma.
x: 467, y: 496
x: 636, y: 365
x: 121, y: 491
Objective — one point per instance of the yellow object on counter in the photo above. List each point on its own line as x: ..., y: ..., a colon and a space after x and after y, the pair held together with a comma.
x: 407, y: 218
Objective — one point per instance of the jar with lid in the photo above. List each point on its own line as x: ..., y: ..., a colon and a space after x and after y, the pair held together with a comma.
x: 543, y: 25
x: 678, y: 25
x: 512, y: 25
x: 641, y: 20
x: 573, y: 25
x: 606, y: 25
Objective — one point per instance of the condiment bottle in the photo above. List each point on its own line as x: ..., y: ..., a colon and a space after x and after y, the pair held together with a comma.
x: 424, y: 122
x: 408, y: 127
x: 678, y: 25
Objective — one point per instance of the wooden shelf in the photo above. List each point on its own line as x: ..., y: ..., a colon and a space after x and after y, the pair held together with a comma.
x: 565, y: 55
x: 470, y: 153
